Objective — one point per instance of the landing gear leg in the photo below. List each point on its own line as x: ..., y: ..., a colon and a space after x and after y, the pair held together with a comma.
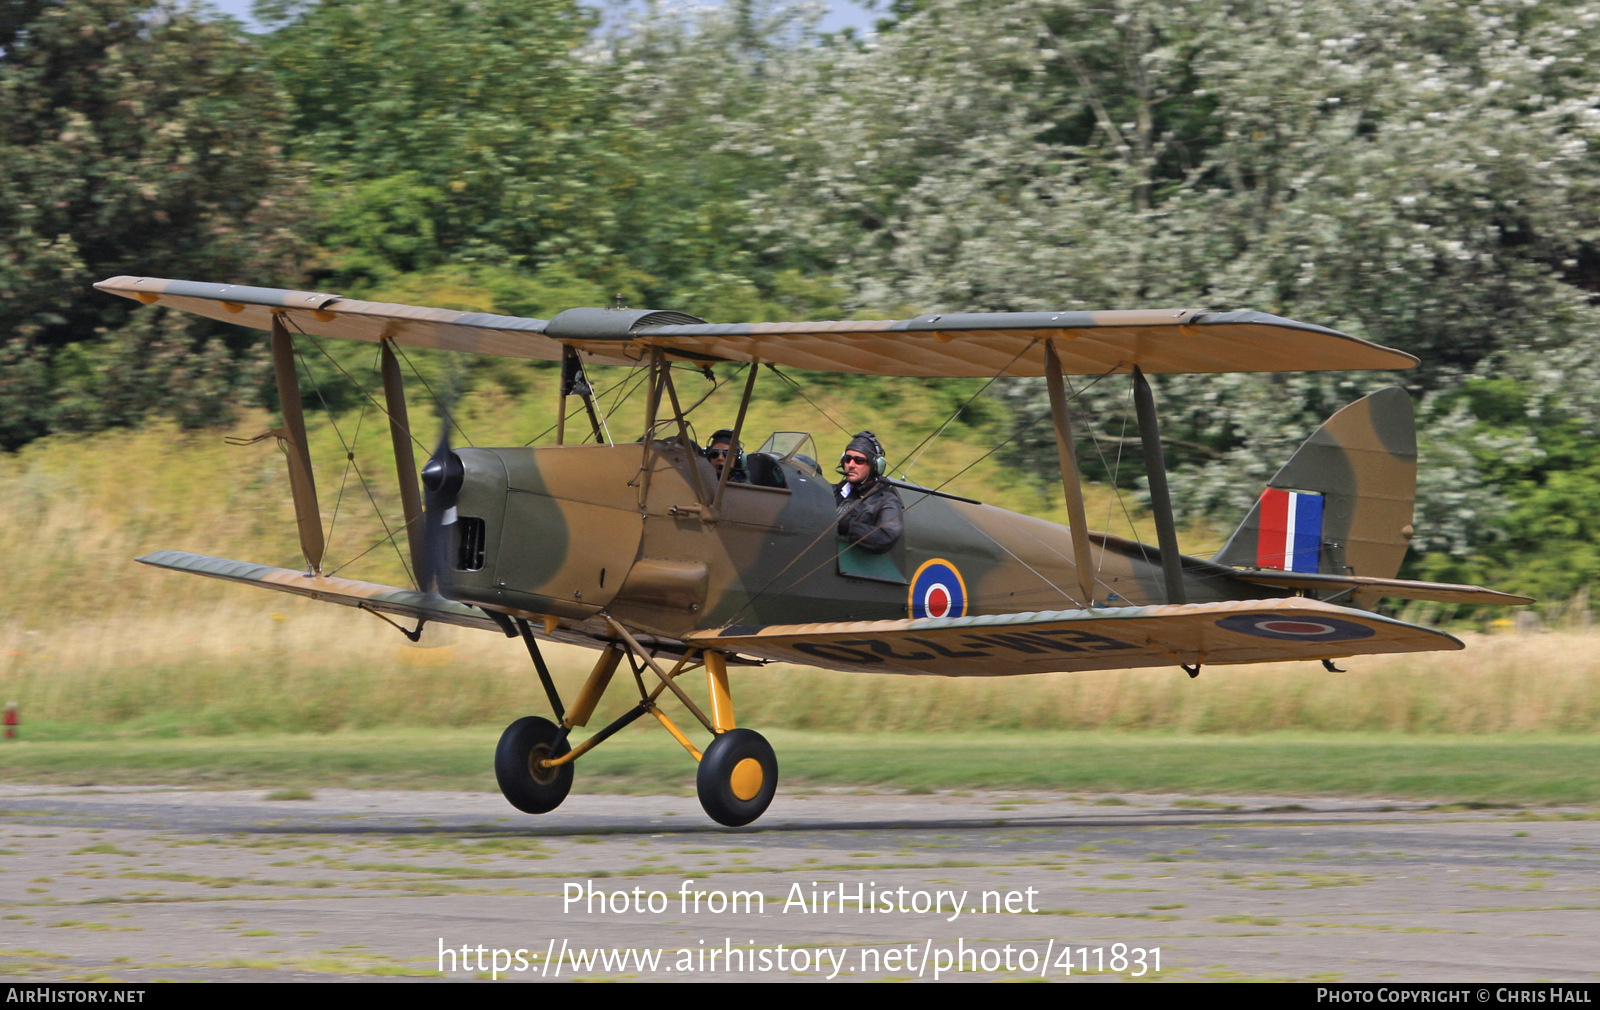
x: 739, y: 772
x: 738, y: 777
x: 521, y: 760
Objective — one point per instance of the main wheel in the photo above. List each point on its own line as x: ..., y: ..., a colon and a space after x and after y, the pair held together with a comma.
x: 737, y: 778
x: 527, y: 786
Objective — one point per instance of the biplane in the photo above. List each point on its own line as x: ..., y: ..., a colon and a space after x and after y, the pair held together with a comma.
x: 645, y: 551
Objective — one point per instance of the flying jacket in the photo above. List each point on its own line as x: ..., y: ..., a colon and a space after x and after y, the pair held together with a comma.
x: 869, y: 518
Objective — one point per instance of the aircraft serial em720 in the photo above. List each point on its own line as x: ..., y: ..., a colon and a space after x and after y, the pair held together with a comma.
x: 644, y: 551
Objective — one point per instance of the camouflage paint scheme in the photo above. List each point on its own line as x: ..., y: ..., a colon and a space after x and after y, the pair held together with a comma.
x: 576, y: 536
x: 766, y: 577
x: 564, y: 535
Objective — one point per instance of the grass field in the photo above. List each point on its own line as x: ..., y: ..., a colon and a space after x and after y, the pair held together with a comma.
x: 1509, y: 769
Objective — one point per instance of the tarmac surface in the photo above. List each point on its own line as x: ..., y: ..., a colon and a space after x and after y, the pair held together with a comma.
x: 137, y: 885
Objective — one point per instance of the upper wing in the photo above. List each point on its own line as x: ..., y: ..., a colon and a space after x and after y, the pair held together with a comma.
x: 948, y: 344
x: 326, y: 315
x: 1011, y: 343
x: 1254, y: 631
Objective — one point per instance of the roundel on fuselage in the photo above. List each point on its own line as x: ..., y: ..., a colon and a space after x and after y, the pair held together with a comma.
x: 937, y: 590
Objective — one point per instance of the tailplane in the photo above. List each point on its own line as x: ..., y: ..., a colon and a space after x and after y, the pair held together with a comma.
x: 1343, y: 503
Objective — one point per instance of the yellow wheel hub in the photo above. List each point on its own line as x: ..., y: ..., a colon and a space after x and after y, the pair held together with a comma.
x: 746, y: 779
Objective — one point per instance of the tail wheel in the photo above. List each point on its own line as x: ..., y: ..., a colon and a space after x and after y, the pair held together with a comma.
x: 738, y: 777
x: 523, y: 782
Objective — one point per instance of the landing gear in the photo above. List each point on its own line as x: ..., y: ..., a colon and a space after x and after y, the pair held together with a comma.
x: 527, y: 785
x: 738, y: 777
x: 738, y: 772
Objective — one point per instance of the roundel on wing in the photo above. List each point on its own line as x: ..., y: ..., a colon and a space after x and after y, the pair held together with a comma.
x: 1296, y: 627
x: 937, y: 590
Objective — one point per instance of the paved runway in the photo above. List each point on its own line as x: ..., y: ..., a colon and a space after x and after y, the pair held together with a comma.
x: 142, y: 884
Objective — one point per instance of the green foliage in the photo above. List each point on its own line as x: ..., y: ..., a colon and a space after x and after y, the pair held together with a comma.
x: 474, y: 114
x: 499, y: 134
x: 1422, y: 173
x: 134, y: 138
x: 375, y: 228
x: 1535, y: 454
x: 151, y: 366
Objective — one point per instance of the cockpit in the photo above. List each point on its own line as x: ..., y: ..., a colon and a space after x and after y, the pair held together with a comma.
x: 793, y: 447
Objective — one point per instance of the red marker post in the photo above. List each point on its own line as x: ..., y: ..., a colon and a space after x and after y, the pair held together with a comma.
x: 12, y: 720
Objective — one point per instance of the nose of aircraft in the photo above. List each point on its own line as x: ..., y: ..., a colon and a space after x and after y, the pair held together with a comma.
x: 442, y: 477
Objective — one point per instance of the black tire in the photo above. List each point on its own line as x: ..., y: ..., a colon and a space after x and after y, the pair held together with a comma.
x: 529, y: 788
x: 733, y: 791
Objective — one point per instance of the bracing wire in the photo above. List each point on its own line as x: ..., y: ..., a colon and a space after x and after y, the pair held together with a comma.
x: 1115, y: 469
x: 437, y: 402
x: 815, y: 405
x: 350, y: 455
x: 631, y: 380
x: 359, y: 388
x: 910, y: 458
x: 829, y: 529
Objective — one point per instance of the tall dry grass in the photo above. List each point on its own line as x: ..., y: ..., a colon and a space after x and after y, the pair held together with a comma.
x: 243, y: 661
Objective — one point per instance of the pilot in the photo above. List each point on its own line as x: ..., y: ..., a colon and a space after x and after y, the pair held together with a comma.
x: 867, y: 505
x: 719, y: 449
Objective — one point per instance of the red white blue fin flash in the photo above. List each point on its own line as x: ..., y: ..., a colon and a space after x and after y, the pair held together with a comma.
x: 1291, y: 531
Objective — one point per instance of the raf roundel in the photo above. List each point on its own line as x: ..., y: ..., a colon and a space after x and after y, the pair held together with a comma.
x: 1293, y: 627
x: 937, y: 590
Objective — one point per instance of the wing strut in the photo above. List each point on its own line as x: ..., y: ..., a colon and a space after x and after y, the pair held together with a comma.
x: 738, y: 431
x: 405, y: 461
x: 575, y: 380
x: 301, y: 482
x: 652, y: 407
x: 1144, y: 404
x: 683, y: 432
x: 1070, y: 481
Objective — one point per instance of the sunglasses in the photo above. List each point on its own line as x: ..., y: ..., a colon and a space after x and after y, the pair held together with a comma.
x: 857, y: 460
x: 716, y: 453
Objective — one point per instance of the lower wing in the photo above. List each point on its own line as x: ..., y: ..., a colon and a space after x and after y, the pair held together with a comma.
x: 1252, y: 631
x: 369, y: 596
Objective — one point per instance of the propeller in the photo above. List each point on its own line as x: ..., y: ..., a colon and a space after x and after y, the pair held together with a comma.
x: 442, y: 477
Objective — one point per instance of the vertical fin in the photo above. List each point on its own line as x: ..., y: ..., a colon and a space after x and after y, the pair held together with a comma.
x: 1343, y: 503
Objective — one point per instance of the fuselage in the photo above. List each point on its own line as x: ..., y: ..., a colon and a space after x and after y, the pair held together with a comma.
x: 575, y: 530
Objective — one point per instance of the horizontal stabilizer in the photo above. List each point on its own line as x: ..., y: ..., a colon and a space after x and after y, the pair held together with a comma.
x: 1253, y: 631
x: 347, y: 592
x: 1405, y: 589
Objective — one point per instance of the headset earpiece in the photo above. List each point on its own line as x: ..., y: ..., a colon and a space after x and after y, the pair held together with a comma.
x: 879, y: 462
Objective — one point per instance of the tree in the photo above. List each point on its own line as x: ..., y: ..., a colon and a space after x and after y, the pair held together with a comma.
x: 134, y: 138
x: 478, y: 112
x: 501, y: 135
x: 1420, y: 173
